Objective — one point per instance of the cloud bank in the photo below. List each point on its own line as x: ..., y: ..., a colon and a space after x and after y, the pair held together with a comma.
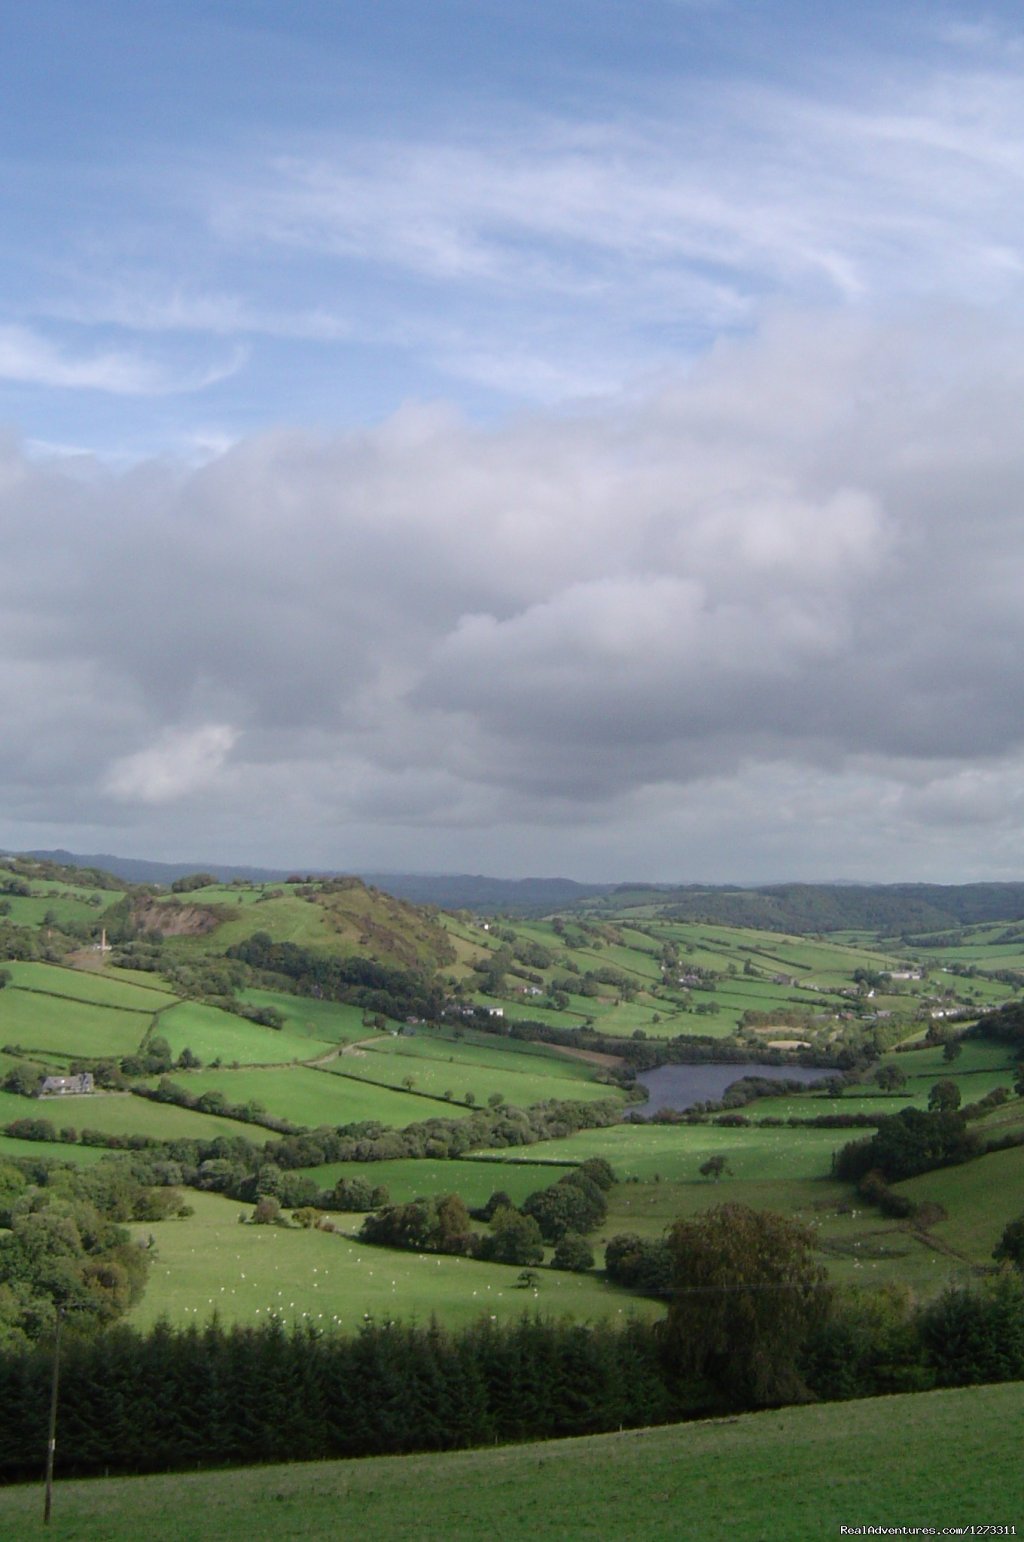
x: 762, y: 619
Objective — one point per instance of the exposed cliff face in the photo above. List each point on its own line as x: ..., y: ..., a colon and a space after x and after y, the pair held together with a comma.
x: 172, y: 919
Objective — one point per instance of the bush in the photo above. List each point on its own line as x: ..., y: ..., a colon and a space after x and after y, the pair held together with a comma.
x: 573, y: 1253
x: 513, y: 1239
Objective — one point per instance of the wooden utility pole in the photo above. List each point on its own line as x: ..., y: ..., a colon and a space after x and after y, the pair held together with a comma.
x: 51, y: 1444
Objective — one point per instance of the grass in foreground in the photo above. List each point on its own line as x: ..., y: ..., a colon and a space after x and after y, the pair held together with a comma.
x: 939, y: 1459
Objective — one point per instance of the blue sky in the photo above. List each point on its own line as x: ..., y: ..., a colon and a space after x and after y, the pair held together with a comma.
x: 524, y: 437
x: 225, y: 216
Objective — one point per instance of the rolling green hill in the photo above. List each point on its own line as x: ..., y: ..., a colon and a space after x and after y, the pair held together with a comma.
x: 939, y: 1459
x: 279, y: 1010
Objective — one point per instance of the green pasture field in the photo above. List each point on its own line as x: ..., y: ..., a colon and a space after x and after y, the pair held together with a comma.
x: 746, y: 994
x: 145, y: 979
x: 801, y: 956
x: 74, y: 1028
x: 675, y: 1152
x: 474, y: 1181
x: 977, y: 941
x: 8, y: 1062
x: 209, y: 1263
x: 621, y: 1019
x: 981, y: 1067
x: 618, y: 1019
x: 119, y: 1113
x: 213, y: 1034
x: 52, y: 1150
x: 479, y: 1047
x: 733, y: 997
x: 975, y: 1055
x: 514, y: 1057
x: 309, y: 1097
x: 642, y: 941
x: 979, y: 1197
x: 289, y: 919
x: 683, y: 1023
x: 987, y: 993
x: 467, y: 952
x: 389, y: 1062
x: 632, y: 962
x: 225, y: 894
x: 856, y: 1243
x: 64, y: 905
x: 331, y: 1022
x: 990, y: 957
x: 96, y: 987
x: 811, y: 1105
x: 648, y: 1208
x: 780, y: 1476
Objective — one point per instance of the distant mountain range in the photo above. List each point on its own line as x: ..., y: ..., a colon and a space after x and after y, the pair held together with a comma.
x: 803, y: 908
x: 448, y: 891
x: 141, y: 870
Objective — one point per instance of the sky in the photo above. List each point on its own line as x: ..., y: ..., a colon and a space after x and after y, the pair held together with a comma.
x: 532, y: 437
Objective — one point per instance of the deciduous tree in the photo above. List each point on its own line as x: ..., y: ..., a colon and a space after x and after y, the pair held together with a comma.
x: 746, y: 1293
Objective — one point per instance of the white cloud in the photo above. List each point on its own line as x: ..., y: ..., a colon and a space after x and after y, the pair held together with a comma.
x: 34, y: 360
x: 899, y: 187
x: 745, y: 607
x: 182, y: 761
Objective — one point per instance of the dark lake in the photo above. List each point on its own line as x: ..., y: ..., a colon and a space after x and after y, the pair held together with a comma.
x: 680, y: 1086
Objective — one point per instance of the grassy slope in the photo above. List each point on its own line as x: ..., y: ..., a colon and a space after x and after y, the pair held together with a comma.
x: 73, y: 1028
x: 209, y: 1262
x: 979, y: 1198
x: 212, y: 1034
x: 111, y: 988
x: 440, y: 1068
x: 311, y: 1097
x: 407, y: 1179
x: 676, y: 1152
x: 118, y: 1113
x: 330, y: 1021
x: 64, y: 902
x: 51, y: 1151
x: 796, y: 1475
x: 344, y: 921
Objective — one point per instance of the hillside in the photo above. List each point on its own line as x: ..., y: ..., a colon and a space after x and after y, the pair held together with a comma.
x: 329, y: 1042
x: 885, y: 909
x: 799, y: 1475
x: 803, y: 908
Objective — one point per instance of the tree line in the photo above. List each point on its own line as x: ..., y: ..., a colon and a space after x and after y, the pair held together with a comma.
x: 751, y: 1322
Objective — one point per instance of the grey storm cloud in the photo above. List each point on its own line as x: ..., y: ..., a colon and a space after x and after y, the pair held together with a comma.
x: 808, y: 551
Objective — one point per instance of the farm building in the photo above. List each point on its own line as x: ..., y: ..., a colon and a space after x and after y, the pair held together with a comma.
x: 59, y: 1086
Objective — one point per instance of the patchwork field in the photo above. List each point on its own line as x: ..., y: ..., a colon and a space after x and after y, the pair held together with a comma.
x: 329, y: 1022
x: 72, y: 1028
x: 332, y: 1064
x: 119, y: 1113
x: 216, y: 1035
x: 674, y: 1152
x: 310, y: 1097
x: 445, y: 1069
x: 107, y: 988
